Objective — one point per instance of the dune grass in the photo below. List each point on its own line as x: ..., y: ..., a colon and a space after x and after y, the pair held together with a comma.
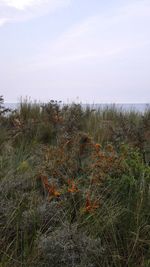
x: 74, y: 186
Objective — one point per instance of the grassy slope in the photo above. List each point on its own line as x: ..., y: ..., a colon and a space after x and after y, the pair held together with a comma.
x: 75, y: 187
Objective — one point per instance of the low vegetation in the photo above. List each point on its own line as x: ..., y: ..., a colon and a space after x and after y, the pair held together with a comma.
x: 74, y: 186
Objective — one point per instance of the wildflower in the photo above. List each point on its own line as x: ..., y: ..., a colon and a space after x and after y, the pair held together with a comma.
x: 73, y: 188
x: 50, y: 187
x: 89, y: 206
x: 52, y: 191
x: 97, y: 147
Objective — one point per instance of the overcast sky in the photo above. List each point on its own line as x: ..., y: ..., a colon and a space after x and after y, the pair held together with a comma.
x: 91, y: 50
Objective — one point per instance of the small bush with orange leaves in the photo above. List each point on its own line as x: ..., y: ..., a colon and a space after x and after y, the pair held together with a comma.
x: 78, y: 166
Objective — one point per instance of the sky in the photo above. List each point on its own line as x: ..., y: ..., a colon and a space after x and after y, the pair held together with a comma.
x: 75, y: 50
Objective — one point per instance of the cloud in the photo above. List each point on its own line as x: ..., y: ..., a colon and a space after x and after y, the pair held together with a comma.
x: 20, y: 10
x: 99, y: 37
x: 21, y: 4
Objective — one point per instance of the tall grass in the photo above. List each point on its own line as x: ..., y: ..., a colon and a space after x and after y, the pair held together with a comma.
x: 74, y: 187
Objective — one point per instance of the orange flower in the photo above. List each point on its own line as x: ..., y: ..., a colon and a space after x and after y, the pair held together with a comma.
x: 52, y: 191
x: 73, y: 188
x: 90, y: 207
x: 50, y: 188
x: 97, y: 147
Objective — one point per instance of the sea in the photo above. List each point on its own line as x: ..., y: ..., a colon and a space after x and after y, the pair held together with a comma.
x: 137, y: 107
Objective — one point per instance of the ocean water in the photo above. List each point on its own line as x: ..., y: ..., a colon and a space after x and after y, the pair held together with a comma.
x: 12, y: 106
x: 125, y: 106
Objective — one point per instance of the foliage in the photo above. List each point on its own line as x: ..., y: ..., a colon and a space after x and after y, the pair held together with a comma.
x: 74, y: 187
